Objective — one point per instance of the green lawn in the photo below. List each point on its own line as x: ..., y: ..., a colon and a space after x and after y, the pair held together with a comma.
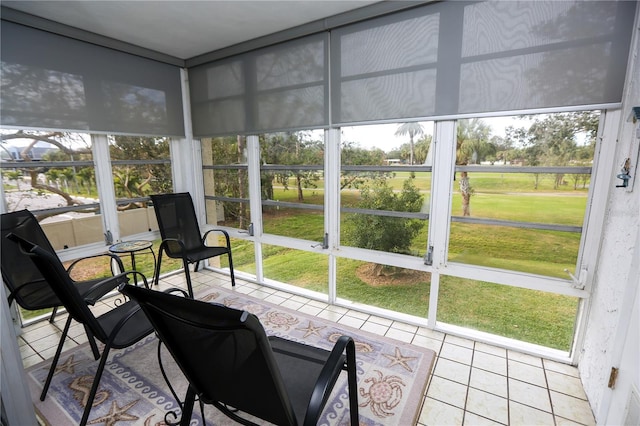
x: 531, y: 316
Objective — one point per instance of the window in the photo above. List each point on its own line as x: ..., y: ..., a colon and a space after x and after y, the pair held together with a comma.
x: 520, y: 192
x: 52, y: 174
x: 385, y: 196
x: 292, y: 184
x: 385, y: 187
x: 140, y: 166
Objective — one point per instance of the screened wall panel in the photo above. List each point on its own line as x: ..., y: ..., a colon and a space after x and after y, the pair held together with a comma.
x: 283, y: 87
x: 55, y: 82
x: 459, y: 58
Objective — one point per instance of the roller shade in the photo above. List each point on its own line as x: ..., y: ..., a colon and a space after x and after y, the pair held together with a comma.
x: 461, y: 58
x: 55, y: 82
x: 283, y: 87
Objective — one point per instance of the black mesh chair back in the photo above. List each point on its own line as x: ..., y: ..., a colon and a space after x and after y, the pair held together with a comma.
x: 178, y: 222
x: 181, y: 237
x: 26, y: 284
x: 229, y: 361
x: 117, y: 328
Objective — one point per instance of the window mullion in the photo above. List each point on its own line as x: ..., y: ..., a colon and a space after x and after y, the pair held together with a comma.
x: 106, y: 190
x: 444, y: 146
x: 332, y: 203
x: 255, y: 200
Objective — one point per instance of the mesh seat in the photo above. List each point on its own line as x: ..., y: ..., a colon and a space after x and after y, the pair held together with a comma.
x: 229, y: 361
x: 181, y: 237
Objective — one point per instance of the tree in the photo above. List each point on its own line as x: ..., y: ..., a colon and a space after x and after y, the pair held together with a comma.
x: 16, y: 176
x: 471, y: 137
x: 232, y: 182
x: 422, y: 147
x: 140, y: 180
x: 385, y: 233
x: 63, y: 146
x: 412, y: 129
x: 551, y: 140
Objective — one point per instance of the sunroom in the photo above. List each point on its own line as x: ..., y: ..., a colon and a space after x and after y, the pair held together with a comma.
x: 464, y: 167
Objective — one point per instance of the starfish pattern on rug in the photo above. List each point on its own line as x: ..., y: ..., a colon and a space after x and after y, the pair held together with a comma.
x: 68, y: 366
x: 311, y: 330
x: 399, y: 359
x: 116, y: 414
x: 131, y: 375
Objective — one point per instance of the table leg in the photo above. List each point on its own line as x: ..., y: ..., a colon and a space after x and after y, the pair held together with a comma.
x: 133, y: 267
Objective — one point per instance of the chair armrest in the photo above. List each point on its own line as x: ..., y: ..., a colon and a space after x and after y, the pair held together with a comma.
x: 165, y: 243
x: 15, y: 292
x: 329, y: 375
x: 103, y: 287
x: 222, y: 231
x: 111, y: 255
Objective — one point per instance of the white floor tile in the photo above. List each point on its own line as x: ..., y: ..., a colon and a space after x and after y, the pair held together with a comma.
x: 460, y: 341
x: 471, y: 419
x: 525, y: 358
x: 456, y: 353
x: 492, y: 363
x: 447, y: 391
x: 526, y: 373
x: 558, y: 367
x: 490, y: 349
x: 571, y: 408
x: 522, y: 415
x: 437, y: 413
x: 488, y: 405
x: 452, y: 370
x: 403, y: 336
x: 488, y: 382
x: 528, y: 394
x: 565, y: 384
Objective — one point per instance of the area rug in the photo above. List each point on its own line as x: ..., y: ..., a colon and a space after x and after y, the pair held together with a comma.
x: 392, y: 375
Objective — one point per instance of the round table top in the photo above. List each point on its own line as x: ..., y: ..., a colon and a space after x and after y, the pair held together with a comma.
x: 130, y: 246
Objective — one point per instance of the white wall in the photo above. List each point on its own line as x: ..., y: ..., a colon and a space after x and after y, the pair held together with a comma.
x: 610, y: 326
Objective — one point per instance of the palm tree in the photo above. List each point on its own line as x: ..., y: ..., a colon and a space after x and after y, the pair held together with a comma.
x: 471, y: 135
x: 412, y: 129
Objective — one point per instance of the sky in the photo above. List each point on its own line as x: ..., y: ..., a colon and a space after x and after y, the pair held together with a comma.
x: 383, y: 135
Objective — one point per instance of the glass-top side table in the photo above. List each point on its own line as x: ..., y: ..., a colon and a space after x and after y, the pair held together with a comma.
x: 132, y: 247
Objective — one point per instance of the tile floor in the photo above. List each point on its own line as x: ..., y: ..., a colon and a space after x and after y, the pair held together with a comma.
x: 472, y: 383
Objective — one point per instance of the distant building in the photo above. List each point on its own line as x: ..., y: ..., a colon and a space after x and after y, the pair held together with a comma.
x: 36, y: 153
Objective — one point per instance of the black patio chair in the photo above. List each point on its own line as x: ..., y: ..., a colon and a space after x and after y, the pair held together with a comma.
x: 26, y: 285
x: 229, y: 361
x: 117, y: 328
x: 181, y: 237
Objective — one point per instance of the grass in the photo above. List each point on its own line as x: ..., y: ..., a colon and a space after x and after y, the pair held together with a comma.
x: 532, y: 316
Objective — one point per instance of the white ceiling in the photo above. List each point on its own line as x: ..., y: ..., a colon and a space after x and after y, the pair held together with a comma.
x: 185, y: 29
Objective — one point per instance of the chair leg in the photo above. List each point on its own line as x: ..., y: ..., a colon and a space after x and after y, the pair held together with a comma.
x: 352, y: 380
x: 185, y: 264
x: 187, y: 409
x: 94, y: 386
x: 52, y: 318
x: 156, y: 275
x: 56, y: 357
x: 92, y: 343
x: 233, y: 276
